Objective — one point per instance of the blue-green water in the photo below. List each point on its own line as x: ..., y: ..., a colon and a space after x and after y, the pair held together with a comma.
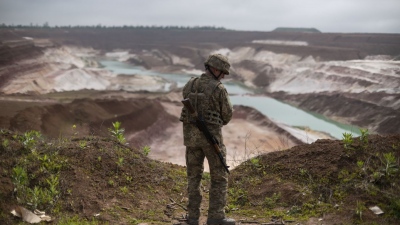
x: 241, y: 95
x: 293, y: 116
x: 179, y: 79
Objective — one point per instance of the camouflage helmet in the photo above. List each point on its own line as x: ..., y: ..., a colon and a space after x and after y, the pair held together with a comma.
x: 219, y: 62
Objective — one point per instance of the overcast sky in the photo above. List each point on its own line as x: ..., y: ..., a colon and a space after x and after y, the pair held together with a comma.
x: 369, y: 16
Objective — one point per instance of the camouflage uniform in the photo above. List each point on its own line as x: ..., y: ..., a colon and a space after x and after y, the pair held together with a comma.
x: 210, y: 99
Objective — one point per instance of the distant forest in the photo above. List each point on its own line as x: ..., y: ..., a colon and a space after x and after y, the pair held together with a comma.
x: 99, y: 26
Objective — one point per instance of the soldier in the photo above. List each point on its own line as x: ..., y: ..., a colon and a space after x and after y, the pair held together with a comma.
x: 210, y: 99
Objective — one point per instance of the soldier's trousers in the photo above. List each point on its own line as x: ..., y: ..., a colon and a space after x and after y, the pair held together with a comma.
x: 219, y: 181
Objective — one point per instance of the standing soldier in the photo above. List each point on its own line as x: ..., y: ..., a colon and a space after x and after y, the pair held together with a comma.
x: 211, y: 101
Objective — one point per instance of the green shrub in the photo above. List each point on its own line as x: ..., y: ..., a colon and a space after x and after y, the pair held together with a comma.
x: 347, y: 140
x: 29, y: 139
x: 118, y: 132
x: 146, y: 150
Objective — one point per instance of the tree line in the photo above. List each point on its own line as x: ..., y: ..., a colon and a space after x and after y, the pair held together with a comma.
x: 99, y: 26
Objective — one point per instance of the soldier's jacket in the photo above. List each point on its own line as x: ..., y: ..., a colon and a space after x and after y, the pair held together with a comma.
x: 210, y: 99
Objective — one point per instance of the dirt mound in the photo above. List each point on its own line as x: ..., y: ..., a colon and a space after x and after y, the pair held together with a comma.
x: 91, y: 177
x: 325, y: 175
x: 100, y: 179
x: 91, y: 117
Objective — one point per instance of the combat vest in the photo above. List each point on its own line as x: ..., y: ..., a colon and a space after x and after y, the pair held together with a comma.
x: 200, y: 97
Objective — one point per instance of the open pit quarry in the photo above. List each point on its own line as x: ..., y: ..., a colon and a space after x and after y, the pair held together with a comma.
x: 51, y: 79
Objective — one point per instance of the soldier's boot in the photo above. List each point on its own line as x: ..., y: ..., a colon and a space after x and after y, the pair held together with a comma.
x: 224, y: 221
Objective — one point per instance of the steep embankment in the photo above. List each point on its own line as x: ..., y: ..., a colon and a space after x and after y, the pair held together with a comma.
x: 91, y: 117
x: 13, y: 52
x: 365, y: 93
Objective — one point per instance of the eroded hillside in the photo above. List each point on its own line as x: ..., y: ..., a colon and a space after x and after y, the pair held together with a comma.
x: 351, y: 78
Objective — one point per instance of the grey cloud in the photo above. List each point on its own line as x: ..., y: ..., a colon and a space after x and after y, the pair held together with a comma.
x: 327, y: 16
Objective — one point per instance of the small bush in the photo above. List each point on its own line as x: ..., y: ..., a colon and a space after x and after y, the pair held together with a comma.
x: 118, y: 132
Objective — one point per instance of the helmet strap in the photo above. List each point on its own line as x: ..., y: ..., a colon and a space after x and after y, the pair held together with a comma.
x: 215, y: 77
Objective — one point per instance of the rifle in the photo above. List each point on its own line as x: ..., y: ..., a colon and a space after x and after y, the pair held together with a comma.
x: 201, y: 124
